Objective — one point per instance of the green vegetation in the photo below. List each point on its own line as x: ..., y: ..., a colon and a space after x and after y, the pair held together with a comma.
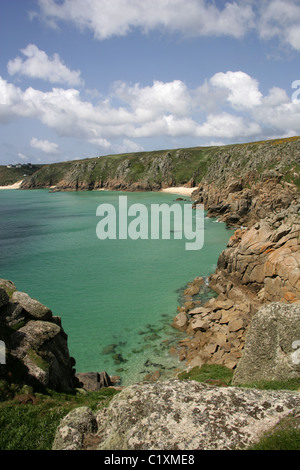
x: 292, y: 384
x: 32, y: 426
x: 176, y: 167
x: 284, y: 436
x: 208, y: 373
x: 12, y: 175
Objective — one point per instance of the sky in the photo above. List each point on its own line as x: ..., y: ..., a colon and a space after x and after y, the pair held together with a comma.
x: 85, y: 78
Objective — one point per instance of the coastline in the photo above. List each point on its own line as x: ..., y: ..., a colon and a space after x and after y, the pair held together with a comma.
x: 16, y: 185
x: 216, y: 329
x: 181, y: 190
x: 259, y: 266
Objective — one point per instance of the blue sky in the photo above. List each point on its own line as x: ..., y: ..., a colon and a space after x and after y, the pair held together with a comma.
x: 84, y: 78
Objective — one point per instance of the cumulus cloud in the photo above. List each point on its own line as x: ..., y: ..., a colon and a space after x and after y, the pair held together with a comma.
x: 243, y: 90
x: 235, y: 18
x: 280, y: 18
x: 151, y: 101
x: 189, y: 17
x: 37, y: 64
x: 44, y: 145
x: 163, y: 109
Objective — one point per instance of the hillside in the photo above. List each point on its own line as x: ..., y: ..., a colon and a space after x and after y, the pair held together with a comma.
x: 158, y: 169
x: 10, y: 175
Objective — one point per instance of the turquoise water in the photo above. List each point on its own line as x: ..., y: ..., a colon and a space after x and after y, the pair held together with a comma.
x: 116, y: 298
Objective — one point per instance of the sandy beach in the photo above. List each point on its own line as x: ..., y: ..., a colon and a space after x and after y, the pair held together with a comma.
x: 182, y: 191
x: 12, y: 186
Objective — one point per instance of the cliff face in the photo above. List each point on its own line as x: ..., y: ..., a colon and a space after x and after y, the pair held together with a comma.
x: 134, y: 172
x: 154, y: 170
x: 261, y: 263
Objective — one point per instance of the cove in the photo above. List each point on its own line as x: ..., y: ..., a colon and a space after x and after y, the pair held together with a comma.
x: 116, y: 298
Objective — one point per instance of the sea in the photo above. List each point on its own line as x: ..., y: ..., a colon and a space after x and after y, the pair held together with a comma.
x: 117, y: 298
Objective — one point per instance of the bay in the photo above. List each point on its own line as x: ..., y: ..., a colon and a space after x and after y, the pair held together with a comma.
x: 116, y: 298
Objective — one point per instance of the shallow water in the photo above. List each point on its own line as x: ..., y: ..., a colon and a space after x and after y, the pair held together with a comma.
x: 116, y: 298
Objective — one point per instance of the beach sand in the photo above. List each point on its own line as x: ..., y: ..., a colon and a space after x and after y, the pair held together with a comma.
x: 182, y: 191
x: 12, y: 186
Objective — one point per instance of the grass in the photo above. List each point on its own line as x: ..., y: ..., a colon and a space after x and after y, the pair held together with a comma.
x: 208, y: 372
x: 284, y: 436
x: 33, y: 426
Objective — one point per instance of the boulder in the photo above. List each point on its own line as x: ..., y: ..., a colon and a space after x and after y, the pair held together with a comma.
x: 73, y: 427
x: 178, y: 415
x: 33, y: 307
x: 41, y: 347
x: 180, y: 322
x: 270, y: 347
x: 36, y: 345
x: 93, y: 381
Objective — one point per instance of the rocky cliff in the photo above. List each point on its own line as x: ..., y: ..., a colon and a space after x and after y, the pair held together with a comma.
x: 261, y: 264
x: 36, y: 347
x: 193, y: 166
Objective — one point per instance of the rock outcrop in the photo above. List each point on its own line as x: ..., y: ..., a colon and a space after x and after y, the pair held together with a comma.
x: 177, y: 415
x: 272, y: 347
x: 36, y: 345
x: 260, y: 265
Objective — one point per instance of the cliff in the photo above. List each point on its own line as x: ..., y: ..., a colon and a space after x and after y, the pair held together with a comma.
x: 261, y: 263
x: 191, y: 166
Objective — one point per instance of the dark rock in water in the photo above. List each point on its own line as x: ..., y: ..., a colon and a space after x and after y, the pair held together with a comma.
x: 118, y: 358
x: 149, y: 363
x: 109, y: 349
x: 93, y: 381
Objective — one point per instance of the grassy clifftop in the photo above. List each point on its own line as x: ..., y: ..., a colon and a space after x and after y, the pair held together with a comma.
x: 10, y: 175
x: 153, y: 170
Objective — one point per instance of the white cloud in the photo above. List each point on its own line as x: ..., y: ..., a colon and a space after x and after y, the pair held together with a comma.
x: 44, y: 145
x: 235, y: 18
x: 169, y: 110
x: 280, y: 18
x: 37, y: 64
x: 226, y: 125
x: 151, y: 101
x: 243, y: 90
x: 119, y: 17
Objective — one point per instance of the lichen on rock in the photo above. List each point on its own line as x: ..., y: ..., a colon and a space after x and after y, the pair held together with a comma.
x: 182, y: 415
